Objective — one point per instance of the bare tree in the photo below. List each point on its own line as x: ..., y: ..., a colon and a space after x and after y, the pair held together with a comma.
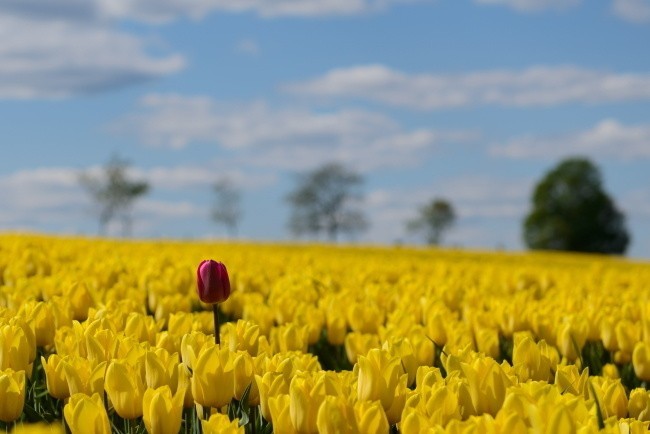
x: 227, y: 207
x: 434, y: 219
x: 326, y: 200
x: 113, y: 193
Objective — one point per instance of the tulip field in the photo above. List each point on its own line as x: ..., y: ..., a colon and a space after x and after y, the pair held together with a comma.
x: 100, y: 336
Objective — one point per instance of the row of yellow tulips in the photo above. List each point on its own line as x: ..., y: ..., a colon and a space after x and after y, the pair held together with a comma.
x: 435, y: 341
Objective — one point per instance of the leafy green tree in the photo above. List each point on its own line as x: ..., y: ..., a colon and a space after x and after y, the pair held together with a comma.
x: 571, y: 211
x: 114, y: 193
x: 227, y: 207
x: 326, y: 200
x: 434, y: 219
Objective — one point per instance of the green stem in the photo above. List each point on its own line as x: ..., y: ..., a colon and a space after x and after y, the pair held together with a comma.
x: 215, y: 313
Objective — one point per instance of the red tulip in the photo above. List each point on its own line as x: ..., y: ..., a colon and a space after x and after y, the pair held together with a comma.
x: 213, y: 285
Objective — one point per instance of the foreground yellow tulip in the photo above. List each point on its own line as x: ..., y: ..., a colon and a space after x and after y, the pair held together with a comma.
x: 161, y: 411
x: 15, y: 347
x: 12, y: 394
x: 280, y: 413
x: 39, y: 428
x: 221, y: 424
x: 306, y: 394
x: 57, y: 384
x: 371, y: 418
x: 213, y: 381
x: 272, y: 384
x: 639, y: 404
x: 336, y: 416
x: 380, y: 373
x: 125, y: 388
x: 86, y: 415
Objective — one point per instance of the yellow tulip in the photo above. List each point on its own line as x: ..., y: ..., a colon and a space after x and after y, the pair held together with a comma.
x: 571, y: 337
x: 244, y: 376
x: 358, y: 344
x: 39, y: 428
x: 12, y: 394
x: 371, y: 418
x: 80, y: 298
x: 365, y: 317
x: 184, y: 382
x: 213, y: 378
x: 191, y: 346
x: 487, y: 342
x: 379, y: 376
x: 279, y: 406
x: 221, y: 424
x: 641, y: 360
x: 141, y: 327
x: 488, y: 382
x: 628, y: 334
x: 423, y: 348
x: 40, y: 317
x: 125, y: 388
x: 290, y: 337
x: 306, y: 395
x: 610, y: 370
x: 15, y: 347
x: 180, y: 323
x: 83, y: 377
x: 100, y: 345
x: 639, y: 404
x: 313, y: 319
x: 156, y: 373
x: 55, y: 376
x: 336, y: 416
x: 162, y: 412
x: 337, y: 327
x: 86, y: 415
x: 608, y: 333
x: 529, y: 362
x: 569, y: 380
x: 614, y: 400
x: 243, y: 336
x: 402, y: 348
x: 271, y: 384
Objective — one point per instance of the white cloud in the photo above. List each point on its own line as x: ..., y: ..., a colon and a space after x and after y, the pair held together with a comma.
x: 51, y: 197
x: 633, y: 10
x: 532, y: 5
x: 57, y: 58
x: 535, y: 86
x: 289, y: 138
x: 607, y: 139
x: 160, y: 11
x: 166, y: 10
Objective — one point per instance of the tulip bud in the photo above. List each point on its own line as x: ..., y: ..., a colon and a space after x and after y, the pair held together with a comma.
x: 213, y: 285
x: 221, y: 424
x: 279, y: 406
x: 214, y: 366
x: 641, y: 360
x: 125, y: 388
x: 85, y: 414
x: 12, y: 394
x: 371, y: 417
x: 639, y: 404
x: 57, y: 384
x: 162, y: 412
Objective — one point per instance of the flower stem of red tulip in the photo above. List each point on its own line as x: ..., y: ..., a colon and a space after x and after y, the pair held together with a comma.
x: 215, y: 313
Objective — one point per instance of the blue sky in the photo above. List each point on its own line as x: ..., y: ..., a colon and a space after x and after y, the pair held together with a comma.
x: 472, y: 100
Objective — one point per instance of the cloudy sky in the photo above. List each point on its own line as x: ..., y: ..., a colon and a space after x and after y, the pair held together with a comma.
x: 472, y: 100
